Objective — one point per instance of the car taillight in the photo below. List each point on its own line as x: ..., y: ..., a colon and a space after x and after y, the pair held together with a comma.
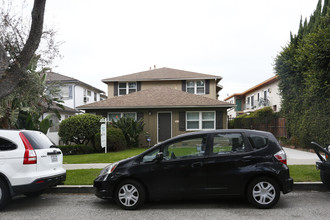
x: 281, y: 156
x: 30, y: 156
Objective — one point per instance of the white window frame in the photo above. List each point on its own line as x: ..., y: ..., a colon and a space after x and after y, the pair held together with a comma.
x: 122, y: 114
x: 126, y: 88
x: 200, y: 121
x: 195, y: 87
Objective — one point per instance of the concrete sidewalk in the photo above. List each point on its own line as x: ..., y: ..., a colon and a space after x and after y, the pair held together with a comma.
x: 294, y: 157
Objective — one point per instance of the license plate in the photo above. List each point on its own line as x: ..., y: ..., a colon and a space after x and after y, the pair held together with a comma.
x: 54, y: 158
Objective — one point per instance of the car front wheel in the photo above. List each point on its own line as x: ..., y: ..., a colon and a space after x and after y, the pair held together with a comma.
x: 130, y: 195
x: 263, y: 192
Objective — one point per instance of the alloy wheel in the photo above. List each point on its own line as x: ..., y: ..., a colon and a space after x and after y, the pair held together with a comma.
x: 264, y: 193
x: 128, y: 195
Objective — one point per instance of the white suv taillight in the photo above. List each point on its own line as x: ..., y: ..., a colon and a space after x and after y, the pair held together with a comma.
x: 30, y: 156
x: 281, y: 156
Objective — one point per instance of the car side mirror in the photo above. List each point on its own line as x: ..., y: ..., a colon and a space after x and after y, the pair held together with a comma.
x: 160, y: 156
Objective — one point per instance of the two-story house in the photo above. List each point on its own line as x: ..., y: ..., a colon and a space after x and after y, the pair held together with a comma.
x: 257, y: 97
x: 170, y: 101
x: 73, y: 93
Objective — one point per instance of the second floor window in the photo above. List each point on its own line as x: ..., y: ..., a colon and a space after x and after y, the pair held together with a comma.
x: 66, y: 92
x: 126, y: 88
x: 196, y: 87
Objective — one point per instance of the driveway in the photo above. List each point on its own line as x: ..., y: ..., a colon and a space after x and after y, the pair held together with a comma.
x: 295, y: 157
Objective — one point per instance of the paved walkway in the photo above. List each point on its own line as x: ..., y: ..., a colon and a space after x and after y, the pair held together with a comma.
x: 300, y: 157
x: 293, y: 157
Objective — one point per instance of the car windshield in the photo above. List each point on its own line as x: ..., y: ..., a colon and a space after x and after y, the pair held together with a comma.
x: 38, y: 140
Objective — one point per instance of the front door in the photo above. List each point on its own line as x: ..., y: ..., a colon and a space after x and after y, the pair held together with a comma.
x: 164, y: 126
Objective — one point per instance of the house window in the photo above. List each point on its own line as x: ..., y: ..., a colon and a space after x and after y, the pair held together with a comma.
x: 66, y: 92
x: 258, y: 98
x: 117, y: 115
x: 95, y: 96
x: 252, y: 101
x: 265, y: 94
x: 248, y: 100
x: 127, y: 87
x: 200, y: 120
x: 196, y: 87
x: 89, y: 93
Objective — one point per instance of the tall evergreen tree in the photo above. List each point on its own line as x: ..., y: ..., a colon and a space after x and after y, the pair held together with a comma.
x: 303, y: 69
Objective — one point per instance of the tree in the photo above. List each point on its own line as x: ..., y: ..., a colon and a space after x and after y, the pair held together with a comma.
x: 13, y: 71
x: 32, y: 96
x: 303, y: 70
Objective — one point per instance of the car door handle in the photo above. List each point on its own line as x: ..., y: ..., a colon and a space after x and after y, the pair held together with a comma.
x: 197, y: 164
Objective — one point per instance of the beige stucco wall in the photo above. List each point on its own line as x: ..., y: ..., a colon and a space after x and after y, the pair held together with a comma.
x: 150, y: 118
x: 175, y: 84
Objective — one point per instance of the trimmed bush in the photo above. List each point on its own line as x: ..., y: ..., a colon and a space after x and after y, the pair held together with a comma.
x: 76, y: 149
x: 115, y: 140
x: 80, y: 129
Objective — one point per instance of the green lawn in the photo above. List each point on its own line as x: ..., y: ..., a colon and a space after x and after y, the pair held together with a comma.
x: 102, y: 157
x: 304, y: 173
x: 81, y: 177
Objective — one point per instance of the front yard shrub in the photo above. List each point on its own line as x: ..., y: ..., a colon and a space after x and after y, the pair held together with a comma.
x: 131, y: 129
x: 80, y: 129
x: 76, y: 149
x: 115, y: 140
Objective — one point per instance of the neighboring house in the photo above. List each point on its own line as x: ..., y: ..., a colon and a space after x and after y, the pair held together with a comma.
x: 257, y: 97
x: 73, y: 93
x: 170, y: 101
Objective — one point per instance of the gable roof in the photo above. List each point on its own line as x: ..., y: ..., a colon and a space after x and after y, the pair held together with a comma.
x: 161, y: 74
x: 56, y: 77
x: 157, y: 97
x: 258, y: 86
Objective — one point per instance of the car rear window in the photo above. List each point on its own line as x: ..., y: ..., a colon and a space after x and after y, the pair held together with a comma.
x: 258, y: 141
x: 38, y: 140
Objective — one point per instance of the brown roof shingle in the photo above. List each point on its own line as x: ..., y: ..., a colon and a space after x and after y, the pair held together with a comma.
x: 161, y: 74
x: 157, y: 97
x: 56, y: 77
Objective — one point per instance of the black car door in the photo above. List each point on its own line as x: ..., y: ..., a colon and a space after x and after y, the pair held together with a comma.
x: 182, y: 172
x: 227, y: 164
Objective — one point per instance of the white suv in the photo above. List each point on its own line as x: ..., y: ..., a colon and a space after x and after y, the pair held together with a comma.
x: 29, y: 163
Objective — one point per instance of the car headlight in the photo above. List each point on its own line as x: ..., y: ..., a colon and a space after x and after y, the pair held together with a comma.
x: 109, y: 169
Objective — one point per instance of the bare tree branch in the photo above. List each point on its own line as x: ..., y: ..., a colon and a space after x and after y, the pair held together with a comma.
x: 12, y: 75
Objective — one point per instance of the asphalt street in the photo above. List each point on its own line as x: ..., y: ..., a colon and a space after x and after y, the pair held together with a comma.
x: 295, y: 205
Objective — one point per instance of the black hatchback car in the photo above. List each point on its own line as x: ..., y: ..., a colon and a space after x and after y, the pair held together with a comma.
x: 201, y: 164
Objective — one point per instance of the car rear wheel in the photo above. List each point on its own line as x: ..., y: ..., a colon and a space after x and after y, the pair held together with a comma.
x: 325, y: 177
x: 130, y: 195
x: 263, y: 192
x: 4, y: 194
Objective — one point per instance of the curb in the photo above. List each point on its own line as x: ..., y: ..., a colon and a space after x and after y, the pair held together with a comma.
x: 299, y: 186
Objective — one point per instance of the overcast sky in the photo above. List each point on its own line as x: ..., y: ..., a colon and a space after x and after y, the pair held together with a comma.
x: 237, y: 40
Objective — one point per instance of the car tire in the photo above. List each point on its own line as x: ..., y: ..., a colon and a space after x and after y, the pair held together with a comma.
x: 263, y: 192
x: 4, y: 194
x: 325, y: 177
x: 130, y: 195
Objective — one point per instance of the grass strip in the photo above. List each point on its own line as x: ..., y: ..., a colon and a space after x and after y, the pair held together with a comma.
x: 102, y: 157
x: 81, y: 177
x: 304, y: 173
